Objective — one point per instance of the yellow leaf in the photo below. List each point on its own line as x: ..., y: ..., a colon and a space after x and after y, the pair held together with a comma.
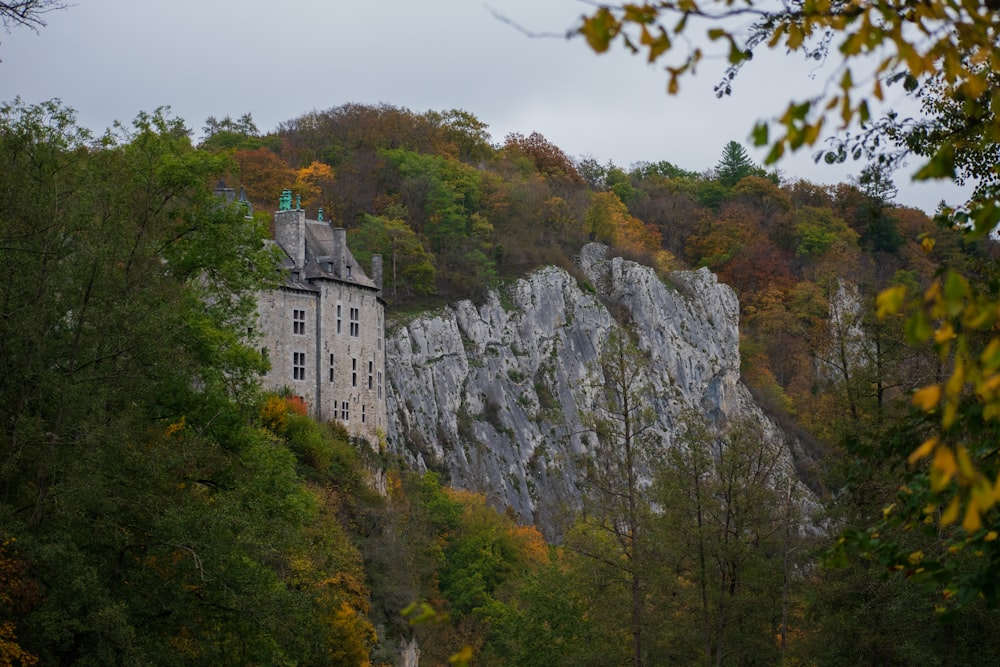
x: 983, y: 494
x: 972, y: 521
x: 950, y: 514
x: 943, y: 468
x: 890, y: 300
x: 462, y: 657
x: 965, y: 463
x: 991, y: 536
x: 927, y: 398
x: 944, y: 333
x: 950, y: 413
x: 923, y: 450
x: 991, y: 355
x: 795, y: 37
x: 927, y: 244
x: 957, y: 379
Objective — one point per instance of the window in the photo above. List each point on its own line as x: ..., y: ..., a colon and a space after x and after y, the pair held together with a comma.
x: 370, y: 383
x: 299, y: 322
x: 331, y: 367
x: 338, y: 318
x: 363, y: 418
x: 355, y: 326
x: 345, y: 414
x: 354, y: 372
x: 380, y: 385
x: 298, y: 365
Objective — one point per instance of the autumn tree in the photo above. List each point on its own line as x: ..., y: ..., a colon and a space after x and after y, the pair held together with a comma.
x: 609, y: 221
x: 548, y: 159
x: 314, y: 184
x: 264, y: 175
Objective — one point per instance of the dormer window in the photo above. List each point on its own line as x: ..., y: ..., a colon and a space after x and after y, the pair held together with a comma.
x: 295, y: 276
x: 348, y: 270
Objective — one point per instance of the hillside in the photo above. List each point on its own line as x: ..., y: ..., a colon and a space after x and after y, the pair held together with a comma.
x: 678, y: 379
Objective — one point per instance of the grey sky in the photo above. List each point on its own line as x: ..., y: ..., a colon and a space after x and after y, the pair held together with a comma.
x: 110, y: 59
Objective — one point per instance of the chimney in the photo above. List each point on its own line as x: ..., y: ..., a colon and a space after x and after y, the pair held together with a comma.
x: 340, y: 252
x: 377, y: 272
x: 290, y: 233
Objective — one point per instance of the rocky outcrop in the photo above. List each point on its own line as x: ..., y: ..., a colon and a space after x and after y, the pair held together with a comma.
x: 494, y: 395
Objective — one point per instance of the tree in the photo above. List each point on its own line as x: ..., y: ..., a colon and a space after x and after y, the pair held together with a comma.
x: 444, y: 198
x: 727, y: 524
x: 616, y: 510
x: 609, y: 221
x: 264, y: 175
x: 877, y: 226
x: 127, y: 295
x: 953, y: 44
x: 28, y: 13
x: 734, y: 164
x: 314, y: 183
x: 469, y: 134
x: 548, y: 159
x: 408, y: 260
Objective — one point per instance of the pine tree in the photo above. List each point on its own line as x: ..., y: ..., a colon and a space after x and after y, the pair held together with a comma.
x: 734, y: 165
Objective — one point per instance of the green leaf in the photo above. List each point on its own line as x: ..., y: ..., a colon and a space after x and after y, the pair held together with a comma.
x: 759, y: 135
x: 942, y: 165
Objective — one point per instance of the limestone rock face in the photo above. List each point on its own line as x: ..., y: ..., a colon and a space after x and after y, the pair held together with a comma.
x: 495, y: 395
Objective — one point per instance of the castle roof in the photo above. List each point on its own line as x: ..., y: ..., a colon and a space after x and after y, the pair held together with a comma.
x: 326, y: 257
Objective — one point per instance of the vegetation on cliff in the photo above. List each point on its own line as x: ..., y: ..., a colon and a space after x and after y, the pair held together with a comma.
x: 155, y: 507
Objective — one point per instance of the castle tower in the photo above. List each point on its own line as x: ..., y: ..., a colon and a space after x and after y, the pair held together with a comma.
x: 323, y: 327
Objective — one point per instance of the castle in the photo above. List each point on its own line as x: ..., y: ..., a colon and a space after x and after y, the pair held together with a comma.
x: 323, y: 327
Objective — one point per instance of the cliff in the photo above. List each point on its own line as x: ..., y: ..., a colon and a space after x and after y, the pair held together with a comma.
x: 493, y: 395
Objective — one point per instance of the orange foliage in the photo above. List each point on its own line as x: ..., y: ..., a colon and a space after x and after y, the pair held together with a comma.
x: 609, y: 220
x: 264, y: 175
x: 297, y: 405
x: 315, y: 184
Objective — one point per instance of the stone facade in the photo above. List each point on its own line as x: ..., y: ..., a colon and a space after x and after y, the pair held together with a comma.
x: 323, y: 327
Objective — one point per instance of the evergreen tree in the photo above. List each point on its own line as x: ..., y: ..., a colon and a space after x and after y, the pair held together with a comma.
x: 734, y: 164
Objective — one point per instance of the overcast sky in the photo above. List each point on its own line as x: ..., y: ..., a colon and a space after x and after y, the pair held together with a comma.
x: 110, y: 59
